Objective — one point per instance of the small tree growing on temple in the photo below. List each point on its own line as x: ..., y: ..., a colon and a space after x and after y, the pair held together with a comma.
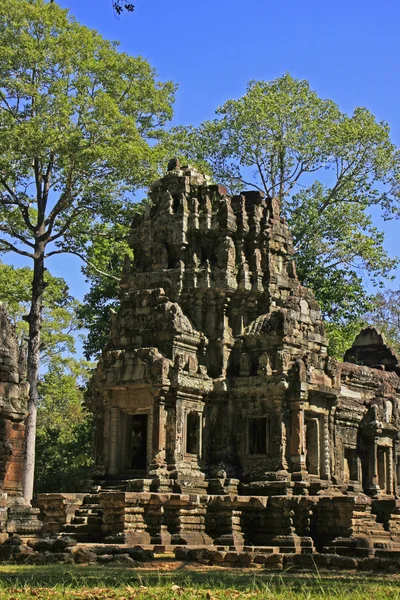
x: 79, y: 124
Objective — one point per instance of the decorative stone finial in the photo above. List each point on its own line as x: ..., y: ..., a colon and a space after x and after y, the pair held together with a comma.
x: 173, y: 164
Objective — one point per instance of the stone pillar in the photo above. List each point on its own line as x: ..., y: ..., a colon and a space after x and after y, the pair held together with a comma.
x: 123, y: 517
x: 223, y: 521
x: 113, y: 506
x: 155, y: 519
x: 135, y: 528
x: 113, y: 451
x: 15, y: 436
x: 185, y: 517
x: 372, y: 485
x: 326, y: 459
x: 391, y: 476
x: 297, y: 456
x: 158, y: 464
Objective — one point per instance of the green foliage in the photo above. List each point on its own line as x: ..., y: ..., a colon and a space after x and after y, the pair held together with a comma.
x: 120, y: 5
x: 64, y: 428
x: 384, y: 314
x: 342, y: 336
x: 63, y: 446
x: 59, y: 315
x: 106, y: 256
x: 107, y: 253
x: 327, y: 168
x: 79, y: 124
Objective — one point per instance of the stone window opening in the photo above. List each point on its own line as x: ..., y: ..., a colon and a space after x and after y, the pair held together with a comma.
x: 254, y: 365
x: 383, y: 460
x: 350, y: 464
x: 193, y: 433
x: 398, y: 471
x: 171, y: 258
x: 312, y: 446
x: 258, y: 435
x: 176, y: 203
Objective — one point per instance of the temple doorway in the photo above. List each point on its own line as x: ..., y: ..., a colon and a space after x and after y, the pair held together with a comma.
x: 350, y: 465
x: 138, y: 442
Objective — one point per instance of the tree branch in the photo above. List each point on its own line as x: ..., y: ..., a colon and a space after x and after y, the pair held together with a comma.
x: 84, y: 259
x: 23, y: 208
x: 77, y: 211
x: 10, y: 231
x: 15, y: 249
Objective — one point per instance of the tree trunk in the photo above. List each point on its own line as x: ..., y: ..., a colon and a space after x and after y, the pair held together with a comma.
x: 34, y: 320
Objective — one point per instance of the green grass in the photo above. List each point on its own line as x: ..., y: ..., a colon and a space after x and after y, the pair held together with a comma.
x: 62, y: 582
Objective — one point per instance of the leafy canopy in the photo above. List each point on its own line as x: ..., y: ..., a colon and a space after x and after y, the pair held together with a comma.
x: 59, y: 315
x: 327, y: 168
x: 106, y: 255
x: 385, y: 315
x: 79, y: 126
x: 64, y: 428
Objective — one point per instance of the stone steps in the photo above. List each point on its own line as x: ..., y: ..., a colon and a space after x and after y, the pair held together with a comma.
x: 86, y: 524
x: 84, y: 512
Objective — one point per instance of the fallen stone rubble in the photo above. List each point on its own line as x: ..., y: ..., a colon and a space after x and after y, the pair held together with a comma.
x: 275, y: 561
x: 66, y: 550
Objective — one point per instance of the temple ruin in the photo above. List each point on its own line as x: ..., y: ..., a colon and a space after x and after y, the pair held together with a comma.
x: 221, y: 420
x: 15, y: 514
x: 217, y: 378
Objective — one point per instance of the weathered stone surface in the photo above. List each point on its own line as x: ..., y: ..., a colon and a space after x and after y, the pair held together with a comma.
x: 217, y: 368
x: 61, y: 544
x: 123, y: 559
x: 220, y: 418
x: 14, y: 391
x: 84, y: 555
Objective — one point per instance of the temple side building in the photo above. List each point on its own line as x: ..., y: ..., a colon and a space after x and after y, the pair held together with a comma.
x: 216, y: 376
x: 14, y: 391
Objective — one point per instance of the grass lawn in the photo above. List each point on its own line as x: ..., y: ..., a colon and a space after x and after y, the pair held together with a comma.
x: 86, y: 582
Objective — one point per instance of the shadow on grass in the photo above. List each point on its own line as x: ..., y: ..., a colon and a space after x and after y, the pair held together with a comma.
x: 90, y: 576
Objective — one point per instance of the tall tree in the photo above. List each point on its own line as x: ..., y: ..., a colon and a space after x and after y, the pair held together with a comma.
x: 60, y: 320
x: 327, y: 168
x: 385, y: 315
x: 106, y: 260
x: 63, y: 449
x: 65, y: 428
x: 79, y: 125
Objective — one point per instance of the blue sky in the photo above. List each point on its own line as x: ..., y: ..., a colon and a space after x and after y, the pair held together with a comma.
x: 348, y: 50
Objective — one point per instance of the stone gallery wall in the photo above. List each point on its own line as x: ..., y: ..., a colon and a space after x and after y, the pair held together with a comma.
x: 13, y: 406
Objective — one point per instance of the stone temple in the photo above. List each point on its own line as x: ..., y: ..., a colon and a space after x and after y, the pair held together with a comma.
x: 221, y: 421
x: 15, y: 514
x: 216, y: 378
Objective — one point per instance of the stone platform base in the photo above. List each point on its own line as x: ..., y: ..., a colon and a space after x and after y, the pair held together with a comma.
x: 343, y: 524
x: 67, y: 551
x: 18, y: 517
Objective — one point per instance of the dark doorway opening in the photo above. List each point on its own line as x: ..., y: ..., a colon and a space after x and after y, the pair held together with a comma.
x: 139, y: 442
x: 193, y: 433
x: 257, y: 435
x: 312, y: 446
x: 350, y: 470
